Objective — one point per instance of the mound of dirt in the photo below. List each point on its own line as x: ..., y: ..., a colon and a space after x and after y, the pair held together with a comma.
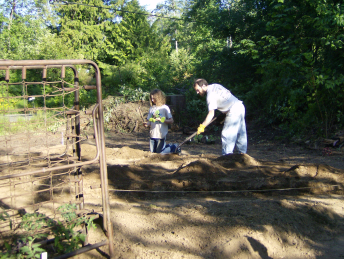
x: 129, y: 153
x: 157, y: 158
x: 237, y: 161
x: 201, y: 168
x: 224, y: 207
x: 231, y: 173
x: 277, y: 201
x: 324, y: 172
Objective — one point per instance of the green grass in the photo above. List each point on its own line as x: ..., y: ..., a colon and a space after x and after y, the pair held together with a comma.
x: 39, y: 121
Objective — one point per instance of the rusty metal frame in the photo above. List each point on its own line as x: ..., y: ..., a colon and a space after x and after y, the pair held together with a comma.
x: 97, y: 114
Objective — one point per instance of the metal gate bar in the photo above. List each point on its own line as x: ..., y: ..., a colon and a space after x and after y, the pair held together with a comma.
x: 46, y: 173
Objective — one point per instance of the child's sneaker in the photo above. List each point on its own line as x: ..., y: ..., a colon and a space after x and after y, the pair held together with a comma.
x: 178, y: 150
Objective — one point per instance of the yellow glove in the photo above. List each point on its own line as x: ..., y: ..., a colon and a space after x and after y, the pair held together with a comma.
x: 152, y: 120
x: 162, y: 119
x: 200, y: 129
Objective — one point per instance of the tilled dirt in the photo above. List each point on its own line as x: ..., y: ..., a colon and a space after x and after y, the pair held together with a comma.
x: 278, y: 201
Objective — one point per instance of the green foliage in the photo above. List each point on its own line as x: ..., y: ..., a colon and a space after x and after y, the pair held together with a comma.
x: 23, y: 29
x: 196, y: 108
x: 5, y: 103
x: 212, y: 138
x: 207, y: 139
x: 87, y: 98
x: 198, y: 138
x: 153, y: 70
x: 83, y: 28
x: 32, y: 223
x: 55, y: 126
x: 282, y: 58
x: 133, y: 95
x: 67, y: 238
x: 4, y: 216
x: 31, y: 123
x: 296, y: 68
x: 181, y: 67
x: 130, y: 75
x: 286, y: 51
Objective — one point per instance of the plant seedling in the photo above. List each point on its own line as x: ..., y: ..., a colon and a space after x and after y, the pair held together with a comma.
x: 157, y: 115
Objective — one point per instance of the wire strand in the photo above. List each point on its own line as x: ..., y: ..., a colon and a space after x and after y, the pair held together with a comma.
x: 239, y: 191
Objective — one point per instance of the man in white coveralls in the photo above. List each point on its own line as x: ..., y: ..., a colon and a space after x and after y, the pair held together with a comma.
x: 234, y: 128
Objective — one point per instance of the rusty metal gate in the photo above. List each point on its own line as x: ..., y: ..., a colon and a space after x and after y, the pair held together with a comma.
x: 40, y: 136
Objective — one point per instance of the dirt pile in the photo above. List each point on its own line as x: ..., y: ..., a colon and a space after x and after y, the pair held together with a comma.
x: 234, y: 206
x: 238, y: 172
x: 281, y: 200
x: 129, y: 153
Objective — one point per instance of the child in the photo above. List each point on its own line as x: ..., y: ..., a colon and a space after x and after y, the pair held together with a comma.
x: 159, y: 117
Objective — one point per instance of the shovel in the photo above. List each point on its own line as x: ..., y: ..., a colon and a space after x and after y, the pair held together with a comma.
x: 187, y: 139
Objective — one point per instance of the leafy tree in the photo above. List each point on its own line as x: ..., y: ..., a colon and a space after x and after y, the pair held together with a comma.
x: 22, y: 28
x: 302, y: 76
x: 283, y: 58
x: 145, y: 52
x: 82, y: 27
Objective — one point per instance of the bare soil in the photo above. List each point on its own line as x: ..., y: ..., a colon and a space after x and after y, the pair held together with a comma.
x: 283, y: 199
x: 280, y: 200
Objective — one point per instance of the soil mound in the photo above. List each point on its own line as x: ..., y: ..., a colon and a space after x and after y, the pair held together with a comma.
x: 236, y: 161
x: 323, y: 172
x: 130, y: 153
x: 201, y: 168
x: 226, y: 173
x: 154, y: 158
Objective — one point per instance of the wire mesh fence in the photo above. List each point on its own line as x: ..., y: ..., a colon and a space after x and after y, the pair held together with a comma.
x: 40, y: 153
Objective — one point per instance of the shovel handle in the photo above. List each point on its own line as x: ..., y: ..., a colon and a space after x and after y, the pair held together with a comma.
x: 195, y: 133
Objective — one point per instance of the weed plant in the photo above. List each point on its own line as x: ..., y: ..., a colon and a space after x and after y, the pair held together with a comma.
x: 67, y: 238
